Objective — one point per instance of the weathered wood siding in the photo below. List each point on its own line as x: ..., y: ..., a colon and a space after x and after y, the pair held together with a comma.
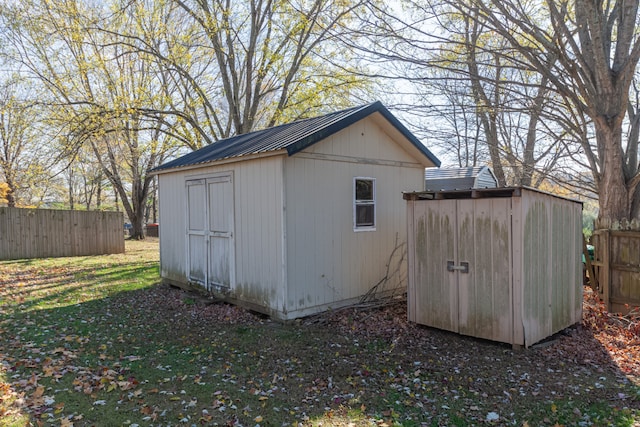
x: 484, y: 241
x: 478, y: 302
x: 617, y: 267
x: 42, y: 233
x: 329, y: 264
x: 551, y: 265
x: 258, y: 223
x: 433, y: 291
x: 524, y: 278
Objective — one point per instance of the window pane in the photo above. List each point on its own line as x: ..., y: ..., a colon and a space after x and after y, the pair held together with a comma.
x: 364, y: 189
x: 364, y: 215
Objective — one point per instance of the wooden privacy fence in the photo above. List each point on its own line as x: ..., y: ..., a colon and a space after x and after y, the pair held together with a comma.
x: 616, y: 268
x: 42, y: 233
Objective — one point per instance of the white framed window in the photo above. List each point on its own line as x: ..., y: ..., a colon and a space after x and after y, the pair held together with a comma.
x: 364, y: 204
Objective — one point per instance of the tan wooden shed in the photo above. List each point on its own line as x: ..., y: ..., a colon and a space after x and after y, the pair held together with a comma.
x: 295, y: 219
x: 501, y: 264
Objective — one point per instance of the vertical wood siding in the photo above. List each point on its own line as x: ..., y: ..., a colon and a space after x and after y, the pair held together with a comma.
x: 433, y: 293
x: 618, y: 268
x: 329, y: 264
x: 524, y: 280
x: 258, y: 237
x: 552, y: 267
x: 478, y: 232
x: 484, y: 241
x: 173, y: 222
x: 42, y: 233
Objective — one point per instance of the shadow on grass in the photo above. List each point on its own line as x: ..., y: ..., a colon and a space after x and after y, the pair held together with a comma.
x: 152, y: 355
x: 71, y: 285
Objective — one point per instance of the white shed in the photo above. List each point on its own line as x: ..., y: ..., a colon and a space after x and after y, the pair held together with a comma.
x: 502, y: 264
x: 295, y: 219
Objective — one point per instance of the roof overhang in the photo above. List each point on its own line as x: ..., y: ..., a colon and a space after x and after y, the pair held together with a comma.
x: 213, y: 163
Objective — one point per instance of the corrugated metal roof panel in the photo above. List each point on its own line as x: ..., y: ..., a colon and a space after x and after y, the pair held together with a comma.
x: 459, y: 178
x: 444, y: 173
x: 293, y: 137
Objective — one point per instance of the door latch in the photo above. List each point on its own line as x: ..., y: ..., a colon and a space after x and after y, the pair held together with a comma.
x: 462, y: 268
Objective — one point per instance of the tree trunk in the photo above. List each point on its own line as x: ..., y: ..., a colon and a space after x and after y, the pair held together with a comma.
x: 635, y: 205
x: 11, y: 191
x: 137, y: 227
x: 99, y: 195
x: 614, y: 198
x: 71, y: 198
x: 135, y: 211
x: 88, y: 192
x: 11, y: 199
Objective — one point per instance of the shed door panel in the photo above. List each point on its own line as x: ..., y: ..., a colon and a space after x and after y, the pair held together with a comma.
x: 220, y: 200
x: 210, y: 231
x: 463, y: 273
x: 436, y: 289
x: 196, y: 231
x: 484, y: 236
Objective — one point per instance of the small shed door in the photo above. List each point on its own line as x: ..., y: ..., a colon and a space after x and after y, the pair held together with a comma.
x: 436, y: 289
x: 210, y: 231
x: 462, y: 267
x: 220, y: 200
x: 196, y: 231
x: 485, y: 287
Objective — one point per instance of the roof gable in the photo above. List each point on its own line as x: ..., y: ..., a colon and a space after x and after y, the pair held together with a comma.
x: 292, y: 137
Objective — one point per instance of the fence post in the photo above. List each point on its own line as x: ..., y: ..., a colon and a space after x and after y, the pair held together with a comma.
x: 593, y: 280
x: 606, y: 268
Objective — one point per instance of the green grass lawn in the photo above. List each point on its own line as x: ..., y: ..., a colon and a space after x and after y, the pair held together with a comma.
x: 98, y: 341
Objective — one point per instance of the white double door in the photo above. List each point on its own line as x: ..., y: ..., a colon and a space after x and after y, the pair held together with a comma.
x: 210, y: 232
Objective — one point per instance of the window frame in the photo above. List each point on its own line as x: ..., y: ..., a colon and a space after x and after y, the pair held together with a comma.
x: 356, y: 203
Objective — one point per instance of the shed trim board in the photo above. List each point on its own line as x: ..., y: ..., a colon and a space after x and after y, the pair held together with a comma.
x: 284, y: 277
x: 232, y: 160
x: 523, y: 279
x: 293, y: 244
x: 349, y: 159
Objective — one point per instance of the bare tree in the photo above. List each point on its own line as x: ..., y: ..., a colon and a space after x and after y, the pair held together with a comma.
x: 133, y: 80
x: 595, y: 48
x: 238, y: 66
x: 19, y: 159
x: 474, y: 84
x: 94, y: 92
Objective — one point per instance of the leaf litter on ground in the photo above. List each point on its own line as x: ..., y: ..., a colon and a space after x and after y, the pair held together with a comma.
x: 97, y: 341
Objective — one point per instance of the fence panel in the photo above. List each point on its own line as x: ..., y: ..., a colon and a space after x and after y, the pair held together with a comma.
x: 42, y: 233
x: 617, y: 262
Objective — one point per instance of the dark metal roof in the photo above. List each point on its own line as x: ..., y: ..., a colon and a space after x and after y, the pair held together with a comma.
x: 293, y: 137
